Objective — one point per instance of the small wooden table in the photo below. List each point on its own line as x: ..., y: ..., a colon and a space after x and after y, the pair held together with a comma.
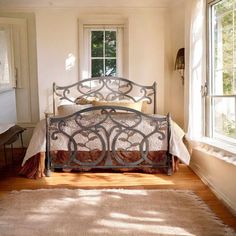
x: 9, y: 137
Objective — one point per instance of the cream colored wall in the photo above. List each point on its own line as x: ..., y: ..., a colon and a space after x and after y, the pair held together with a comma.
x: 57, y: 36
x: 147, y: 42
x: 218, y: 174
x: 56, y: 39
x: 174, y: 99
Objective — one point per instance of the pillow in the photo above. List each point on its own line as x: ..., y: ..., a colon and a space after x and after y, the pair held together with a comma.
x: 65, y: 110
x: 146, y: 107
x: 123, y: 103
x: 85, y: 100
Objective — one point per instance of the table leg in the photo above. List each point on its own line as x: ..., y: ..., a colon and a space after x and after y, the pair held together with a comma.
x: 12, y: 154
x: 21, y: 140
x: 5, y: 153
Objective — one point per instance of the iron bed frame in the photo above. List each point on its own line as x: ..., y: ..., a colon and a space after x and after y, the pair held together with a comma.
x: 96, y: 130
x: 108, y: 89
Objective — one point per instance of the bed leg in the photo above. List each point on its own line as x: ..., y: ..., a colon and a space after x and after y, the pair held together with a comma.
x: 48, y: 167
x: 48, y: 158
x: 48, y: 173
x: 169, y: 165
x: 169, y: 171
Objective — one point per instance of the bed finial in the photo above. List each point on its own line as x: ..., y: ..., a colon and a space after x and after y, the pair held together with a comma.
x: 53, y: 94
x: 154, y: 96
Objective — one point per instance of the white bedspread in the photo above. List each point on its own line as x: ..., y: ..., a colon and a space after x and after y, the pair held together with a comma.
x: 38, y: 143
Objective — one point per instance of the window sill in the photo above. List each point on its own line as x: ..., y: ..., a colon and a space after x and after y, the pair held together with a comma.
x: 219, y: 144
x: 221, y: 150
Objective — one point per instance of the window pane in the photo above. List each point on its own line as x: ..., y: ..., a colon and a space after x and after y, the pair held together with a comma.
x: 97, y: 67
x: 97, y: 43
x: 224, y: 82
x: 234, y: 87
x: 110, y: 43
x: 110, y: 67
x: 223, y: 42
x: 223, y: 7
x: 223, y: 48
x: 4, y: 58
x: 224, y: 117
x: 223, y: 72
x: 234, y: 36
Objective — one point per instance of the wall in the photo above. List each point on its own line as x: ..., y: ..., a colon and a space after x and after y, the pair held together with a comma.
x: 8, y: 107
x: 174, y: 99
x: 57, y: 27
x: 153, y: 37
x: 217, y: 174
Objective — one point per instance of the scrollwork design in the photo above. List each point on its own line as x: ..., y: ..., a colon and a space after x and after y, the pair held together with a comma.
x: 90, y: 92
x: 127, y: 141
x: 107, y: 129
x: 90, y: 136
x: 121, y: 85
x: 103, y: 89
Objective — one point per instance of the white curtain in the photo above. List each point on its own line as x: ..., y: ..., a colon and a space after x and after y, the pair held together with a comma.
x: 195, y: 73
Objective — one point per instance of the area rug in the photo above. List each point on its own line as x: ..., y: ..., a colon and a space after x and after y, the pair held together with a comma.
x: 107, y: 212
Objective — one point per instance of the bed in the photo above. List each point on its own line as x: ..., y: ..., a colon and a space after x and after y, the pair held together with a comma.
x: 104, y: 123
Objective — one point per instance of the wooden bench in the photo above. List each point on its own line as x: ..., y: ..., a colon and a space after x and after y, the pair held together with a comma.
x: 9, y: 137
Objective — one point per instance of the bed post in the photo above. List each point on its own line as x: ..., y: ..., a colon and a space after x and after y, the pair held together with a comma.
x: 169, y: 157
x: 48, y: 159
x: 53, y: 94
x: 154, y: 95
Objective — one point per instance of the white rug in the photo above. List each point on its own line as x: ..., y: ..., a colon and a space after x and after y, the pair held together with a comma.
x: 107, y: 212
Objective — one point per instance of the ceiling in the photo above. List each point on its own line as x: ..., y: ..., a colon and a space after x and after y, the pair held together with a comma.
x: 88, y: 3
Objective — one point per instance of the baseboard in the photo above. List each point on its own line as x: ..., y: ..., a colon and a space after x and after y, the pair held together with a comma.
x: 220, y: 195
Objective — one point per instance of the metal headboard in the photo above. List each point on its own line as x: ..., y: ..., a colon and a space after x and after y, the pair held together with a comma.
x: 106, y: 88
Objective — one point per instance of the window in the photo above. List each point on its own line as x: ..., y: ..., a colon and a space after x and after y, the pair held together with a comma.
x: 102, y: 49
x: 103, y: 53
x: 6, y: 75
x: 222, y: 70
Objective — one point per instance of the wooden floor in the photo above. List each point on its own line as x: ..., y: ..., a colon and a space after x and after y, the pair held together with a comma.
x: 183, y: 179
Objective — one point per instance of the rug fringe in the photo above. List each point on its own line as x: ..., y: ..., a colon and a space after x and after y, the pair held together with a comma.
x: 202, y: 205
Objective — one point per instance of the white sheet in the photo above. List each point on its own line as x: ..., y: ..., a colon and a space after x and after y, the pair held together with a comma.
x: 38, y: 142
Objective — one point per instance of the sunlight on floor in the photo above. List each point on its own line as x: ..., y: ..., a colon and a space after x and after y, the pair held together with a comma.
x: 106, y: 179
x: 160, y: 229
x: 128, y: 217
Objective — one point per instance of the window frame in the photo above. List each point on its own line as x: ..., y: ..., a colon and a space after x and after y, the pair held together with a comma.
x: 90, y: 57
x: 210, y: 95
x: 102, y: 22
x: 10, y: 58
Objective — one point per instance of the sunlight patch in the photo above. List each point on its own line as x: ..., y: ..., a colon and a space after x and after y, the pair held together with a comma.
x: 70, y: 61
x: 134, y: 218
x: 158, y: 229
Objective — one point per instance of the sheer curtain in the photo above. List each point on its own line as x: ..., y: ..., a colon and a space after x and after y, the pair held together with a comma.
x: 195, y: 73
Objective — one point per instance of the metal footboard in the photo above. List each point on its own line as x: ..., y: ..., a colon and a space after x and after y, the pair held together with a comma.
x: 110, y: 131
